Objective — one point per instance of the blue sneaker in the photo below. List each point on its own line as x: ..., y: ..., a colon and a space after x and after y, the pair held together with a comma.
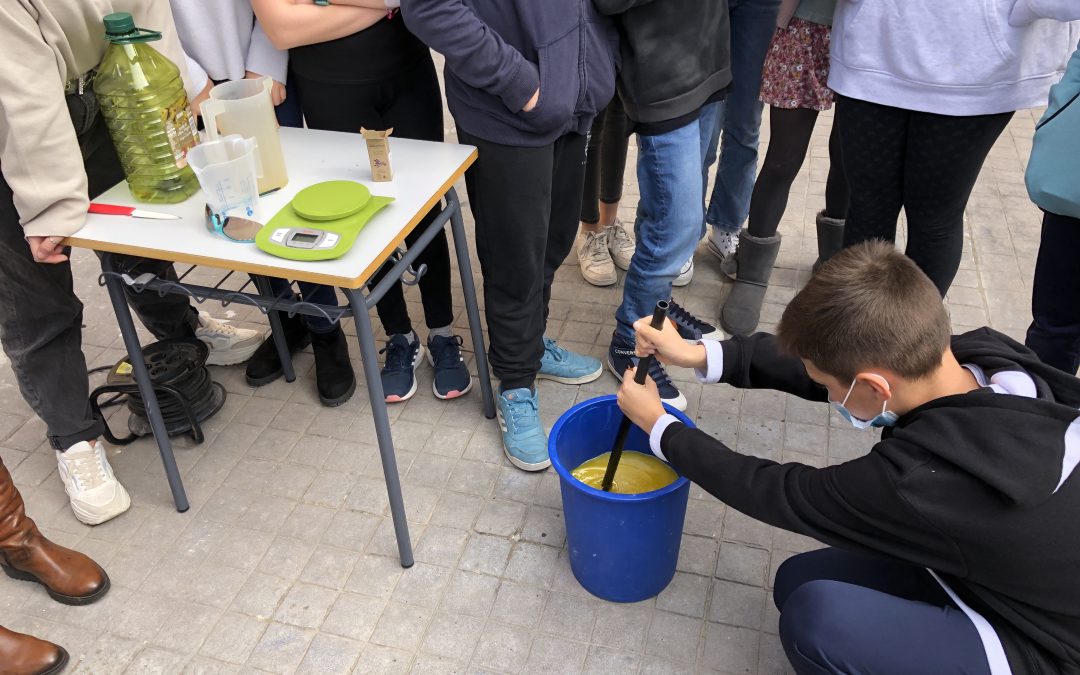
x: 399, y: 372
x: 562, y: 365
x: 523, y: 437
x: 690, y: 327
x: 621, y: 357
x: 452, y: 377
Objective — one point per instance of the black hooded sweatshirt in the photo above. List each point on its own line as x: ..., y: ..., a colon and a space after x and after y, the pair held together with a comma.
x: 979, y: 488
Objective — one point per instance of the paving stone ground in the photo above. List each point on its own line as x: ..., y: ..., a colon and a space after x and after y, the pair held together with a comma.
x: 286, y: 561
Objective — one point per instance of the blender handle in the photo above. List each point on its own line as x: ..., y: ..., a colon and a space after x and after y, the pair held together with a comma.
x: 210, y: 109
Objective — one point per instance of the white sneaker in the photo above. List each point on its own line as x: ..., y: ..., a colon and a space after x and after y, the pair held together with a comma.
x: 722, y: 244
x: 595, y: 261
x: 95, y: 494
x: 228, y: 344
x: 621, y: 243
x: 686, y: 273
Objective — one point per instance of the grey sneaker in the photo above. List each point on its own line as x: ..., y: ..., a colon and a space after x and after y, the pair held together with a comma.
x: 595, y: 261
x: 228, y: 344
x: 621, y: 243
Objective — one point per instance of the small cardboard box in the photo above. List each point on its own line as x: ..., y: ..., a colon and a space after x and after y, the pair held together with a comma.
x: 378, y: 150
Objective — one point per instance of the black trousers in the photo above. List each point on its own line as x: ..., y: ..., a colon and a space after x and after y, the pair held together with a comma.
x: 926, y: 164
x: 843, y: 612
x: 1054, y: 333
x: 411, y: 103
x: 526, y: 203
x: 606, y: 161
x: 40, y: 315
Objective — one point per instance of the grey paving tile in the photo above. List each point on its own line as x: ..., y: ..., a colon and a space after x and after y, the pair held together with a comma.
x: 569, y: 616
x: 533, y: 564
x: 518, y: 605
x: 281, y: 648
x: 502, y: 648
x: 686, y: 594
x: 330, y: 567
x: 330, y: 654
x: 233, y: 638
x: 500, y: 517
x: 401, y: 626
x: 353, y: 616
x: 379, y: 660
x: 453, y: 636
x: 422, y: 584
x: 730, y: 648
x: 555, y: 655
x: 674, y: 637
x: 604, y: 661
x: 486, y: 554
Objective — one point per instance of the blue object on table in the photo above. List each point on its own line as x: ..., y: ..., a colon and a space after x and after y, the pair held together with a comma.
x: 623, y: 548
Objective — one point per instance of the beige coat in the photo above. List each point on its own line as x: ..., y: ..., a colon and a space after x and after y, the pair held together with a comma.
x: 45, y: 44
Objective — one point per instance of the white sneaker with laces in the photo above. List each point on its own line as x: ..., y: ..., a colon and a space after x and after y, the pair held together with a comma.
x: 96, y: 496
x: 596, y: 265
x: 722, y: 244
x: 228, y: 345
x: 621, y: 243
x: 686, y: 273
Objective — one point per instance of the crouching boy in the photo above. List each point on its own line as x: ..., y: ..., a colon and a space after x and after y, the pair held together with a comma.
x: 953, y: 542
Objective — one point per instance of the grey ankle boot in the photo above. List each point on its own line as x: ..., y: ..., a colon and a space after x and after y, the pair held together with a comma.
x: 830, y: 238
x: 742, y: 309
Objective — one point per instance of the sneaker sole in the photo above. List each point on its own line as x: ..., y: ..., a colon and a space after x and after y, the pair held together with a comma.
x: 583, y: 379
x: 453, y: 393
x: 678, y: 403
x: 87, y: 517
x: 74, y: 601
x: 394, y: 398
x: 524, y: 466
x: 681, y: 280
x: 600, y: 283
x: 234, y: 357
x: 340, y: 400
x: 267, y: 379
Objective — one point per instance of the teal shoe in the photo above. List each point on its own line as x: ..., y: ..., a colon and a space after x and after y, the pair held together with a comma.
x: 523, y: 437
x: 567, y: 367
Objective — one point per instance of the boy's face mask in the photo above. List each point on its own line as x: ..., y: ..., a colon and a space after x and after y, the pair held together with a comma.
x: 886, y: 418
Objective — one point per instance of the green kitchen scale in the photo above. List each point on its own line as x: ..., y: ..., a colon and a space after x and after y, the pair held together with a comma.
x: 321, y: 222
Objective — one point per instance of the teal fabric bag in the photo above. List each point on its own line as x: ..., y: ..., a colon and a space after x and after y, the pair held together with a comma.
x: 1053, y: 173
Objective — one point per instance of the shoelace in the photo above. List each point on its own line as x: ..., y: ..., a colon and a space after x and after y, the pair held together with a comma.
x: 214, y: 326
x: 398, y: 356
x: 448, y: 353
x: 88, y: 470
x: 681, y: 315
x: 521, y: 409
x: 557, y: 353
x: 596, y: 247
x: 618, y: 237
x: 656, y: 370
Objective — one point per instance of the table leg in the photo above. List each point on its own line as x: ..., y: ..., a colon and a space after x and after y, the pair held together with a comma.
x: 276, y: 330
x: 370, y: 357
x: 146, y: 387
x: 468, y: 289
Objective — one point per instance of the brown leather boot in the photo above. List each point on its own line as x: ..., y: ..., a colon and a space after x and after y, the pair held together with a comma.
x: 25, y: 554
x: 26, y: 655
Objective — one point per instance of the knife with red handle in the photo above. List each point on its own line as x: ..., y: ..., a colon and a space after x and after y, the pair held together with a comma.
x: 117, y: 210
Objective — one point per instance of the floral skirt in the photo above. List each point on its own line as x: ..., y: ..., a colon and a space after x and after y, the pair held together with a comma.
x: 796, y: 72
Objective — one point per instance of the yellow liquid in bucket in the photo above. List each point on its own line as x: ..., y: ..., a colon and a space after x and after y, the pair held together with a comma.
x: 637, y: 473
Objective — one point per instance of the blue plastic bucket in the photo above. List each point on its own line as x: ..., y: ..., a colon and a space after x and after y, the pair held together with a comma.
x: 623, y: 548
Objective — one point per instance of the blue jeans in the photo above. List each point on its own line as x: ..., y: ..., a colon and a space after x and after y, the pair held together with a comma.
x: 669, y: 215
x: 753, y: 23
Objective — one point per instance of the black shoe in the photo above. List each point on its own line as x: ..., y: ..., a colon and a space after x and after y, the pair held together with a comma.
x: 334, y: 377
x: 264, y: 366
x: 690, y: 327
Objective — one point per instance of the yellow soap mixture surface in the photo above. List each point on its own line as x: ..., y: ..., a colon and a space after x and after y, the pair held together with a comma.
x: 637, y: 473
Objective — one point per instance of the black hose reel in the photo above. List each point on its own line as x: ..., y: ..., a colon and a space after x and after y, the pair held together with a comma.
x: 186, y: 393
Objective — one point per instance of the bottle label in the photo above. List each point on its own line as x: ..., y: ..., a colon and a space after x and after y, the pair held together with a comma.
x: 181, y: 130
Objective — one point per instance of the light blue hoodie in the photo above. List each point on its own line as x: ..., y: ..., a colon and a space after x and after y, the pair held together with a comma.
x: 952, y: 57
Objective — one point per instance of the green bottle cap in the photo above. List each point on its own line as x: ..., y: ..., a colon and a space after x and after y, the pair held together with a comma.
x: 120, y: 28
x: 119, y: 24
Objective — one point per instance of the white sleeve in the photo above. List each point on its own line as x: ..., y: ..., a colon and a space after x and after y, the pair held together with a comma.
x: 264, y: 58
x: 714, y: 362
x: 1025, y: 12
x: 657, y: 434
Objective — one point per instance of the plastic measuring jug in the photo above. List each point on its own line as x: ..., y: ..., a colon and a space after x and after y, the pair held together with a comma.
x: 228, y: 172
x: 244, y: 107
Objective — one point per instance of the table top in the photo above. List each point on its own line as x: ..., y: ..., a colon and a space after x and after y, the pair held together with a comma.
x: 423, y: 173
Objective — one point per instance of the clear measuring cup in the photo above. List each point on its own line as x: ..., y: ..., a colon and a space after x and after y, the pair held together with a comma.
x: 244, y: 107
x: 228, y: 171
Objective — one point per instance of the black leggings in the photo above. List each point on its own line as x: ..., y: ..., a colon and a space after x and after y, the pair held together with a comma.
x: 923, y: 162
x: 789, y: 138
x: 1054, y: 333
x: 606, y: 161
x: 411, y: 103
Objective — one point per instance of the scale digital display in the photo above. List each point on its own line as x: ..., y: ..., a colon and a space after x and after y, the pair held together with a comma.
x: 303, y: 238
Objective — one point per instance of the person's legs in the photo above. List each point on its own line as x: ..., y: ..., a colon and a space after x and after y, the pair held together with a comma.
x: 1054, y: 333
x: 843, y: 612
x: 753, y: 23
x: 604, y: 243
x: 874, y: 141
x: 510, y: 194
x: 789, y: 137
x: 943, y: 159
x: 668, y: 227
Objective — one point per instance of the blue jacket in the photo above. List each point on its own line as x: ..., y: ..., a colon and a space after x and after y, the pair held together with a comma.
x: 499, y: 52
